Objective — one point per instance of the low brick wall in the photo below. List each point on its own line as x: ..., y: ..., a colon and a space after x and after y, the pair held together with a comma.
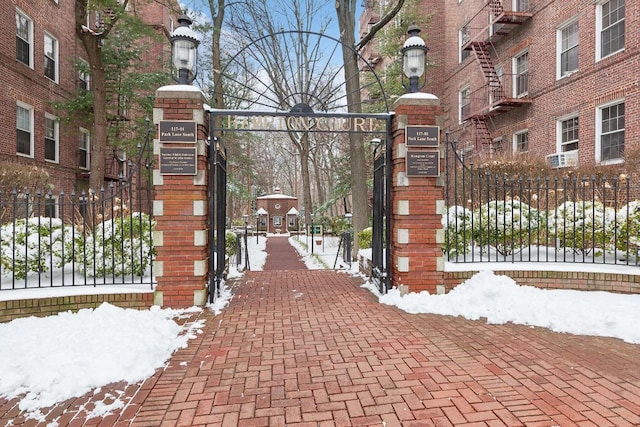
x: 40, y: 307
x: 576, y: 280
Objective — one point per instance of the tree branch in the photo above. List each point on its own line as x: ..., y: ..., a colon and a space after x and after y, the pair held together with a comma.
x: 379, y: 25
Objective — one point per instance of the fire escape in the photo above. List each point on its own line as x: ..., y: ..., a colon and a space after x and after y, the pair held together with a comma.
x: 501, y: 91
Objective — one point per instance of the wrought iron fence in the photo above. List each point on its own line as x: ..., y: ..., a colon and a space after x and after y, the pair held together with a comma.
x: 92, y: 238
x: 493, y: 217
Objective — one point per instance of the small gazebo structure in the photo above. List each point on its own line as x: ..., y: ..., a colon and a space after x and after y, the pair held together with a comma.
x: 277, y: 212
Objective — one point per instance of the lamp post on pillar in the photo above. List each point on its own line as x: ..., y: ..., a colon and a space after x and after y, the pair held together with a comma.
x: 184, y: 46
x: 185, y: 269
x: 416, y: 196
x: 414, y: 60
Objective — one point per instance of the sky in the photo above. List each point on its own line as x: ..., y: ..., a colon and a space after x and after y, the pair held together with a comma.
x: 41, y: 366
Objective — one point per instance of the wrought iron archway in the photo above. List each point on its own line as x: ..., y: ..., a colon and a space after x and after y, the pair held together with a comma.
x: 307, y: 98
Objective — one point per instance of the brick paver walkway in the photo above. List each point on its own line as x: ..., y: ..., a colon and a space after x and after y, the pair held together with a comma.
x: 313, y: 348
x: 281, y: 255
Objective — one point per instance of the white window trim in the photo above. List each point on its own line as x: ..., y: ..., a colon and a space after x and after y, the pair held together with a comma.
x: 515, y: 141
x: 598, y: 129
x: 31, y: 44
x: 56, y: 58
x: 559, y: 121
x: 514, y: 71
x: 31, y: 144
x: 85, y: 77
x: 559, y: 51
x: 598, y: 34
x: 464, y: 88
x: 56, y: 136
x: 88, y: 153
x: 460, y: 42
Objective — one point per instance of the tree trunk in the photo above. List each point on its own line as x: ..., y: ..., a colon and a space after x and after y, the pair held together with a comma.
x: 346, y: 22
x: 92, y: 43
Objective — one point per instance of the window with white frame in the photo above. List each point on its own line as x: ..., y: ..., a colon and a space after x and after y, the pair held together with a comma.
x: 84, y: 149
x: 464, y: 102
x: 610, y: 27
x: 521, y: 5
x: 521, y: 74
x: 84, y: 79
x: 610, y: 132
x: 568, y: 39
x: 51, y: 138
x: 51, y: 57
x: 521, y: 141
x: 24, y: 38
x: 277, y: 221
x: 464, y: 36
x: 24, y: 130
x: 568, y: 134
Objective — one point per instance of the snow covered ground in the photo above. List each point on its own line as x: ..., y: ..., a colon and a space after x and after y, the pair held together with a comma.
x: 110, y: 344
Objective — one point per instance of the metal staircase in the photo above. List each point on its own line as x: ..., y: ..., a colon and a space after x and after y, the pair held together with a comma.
x: 497, y: 95
x: 483, y: 135
x: 488, y: 69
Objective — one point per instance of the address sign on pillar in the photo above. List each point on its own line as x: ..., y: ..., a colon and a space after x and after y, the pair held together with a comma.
x: 178, y: 131
x: 422, y: 136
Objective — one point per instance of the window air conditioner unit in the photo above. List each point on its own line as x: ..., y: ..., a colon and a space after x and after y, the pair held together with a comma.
x: 563, y: 160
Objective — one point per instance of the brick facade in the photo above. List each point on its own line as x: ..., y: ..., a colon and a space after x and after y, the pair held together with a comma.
x: 595, y: 82
x: 28, y: 84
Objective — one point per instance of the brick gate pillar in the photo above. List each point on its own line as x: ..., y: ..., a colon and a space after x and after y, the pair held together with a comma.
x: 417, y: 202
x: 181, y: 193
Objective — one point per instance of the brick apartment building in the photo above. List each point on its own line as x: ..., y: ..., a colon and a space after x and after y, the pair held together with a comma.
x: 551, y: 78
x: 38, y: 52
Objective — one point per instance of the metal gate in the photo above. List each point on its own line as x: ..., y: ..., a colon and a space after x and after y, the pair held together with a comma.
x: 380, y: 222
x: 300, y: 99
x: 217, y: 214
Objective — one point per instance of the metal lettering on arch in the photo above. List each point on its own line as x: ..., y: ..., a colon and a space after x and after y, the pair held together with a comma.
x: 271, y: 121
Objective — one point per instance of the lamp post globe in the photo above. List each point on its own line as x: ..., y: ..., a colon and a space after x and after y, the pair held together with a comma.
x: 184, y: 47
x: 414, y: 60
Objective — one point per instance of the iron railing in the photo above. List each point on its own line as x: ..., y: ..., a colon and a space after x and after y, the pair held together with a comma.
x: 50, y: 240
x: 494, y: 217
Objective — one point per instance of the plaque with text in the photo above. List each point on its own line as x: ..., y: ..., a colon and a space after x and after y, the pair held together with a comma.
x: 422, y: 136
x: 423, y: 163
x: 178, y: 131
x: 178, y: 161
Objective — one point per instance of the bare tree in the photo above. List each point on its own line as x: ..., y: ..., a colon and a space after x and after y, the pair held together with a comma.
x: 287, y: 62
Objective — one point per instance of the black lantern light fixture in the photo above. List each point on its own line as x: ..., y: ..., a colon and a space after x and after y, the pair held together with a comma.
x: 414, y: 60
x: 184, y: 46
